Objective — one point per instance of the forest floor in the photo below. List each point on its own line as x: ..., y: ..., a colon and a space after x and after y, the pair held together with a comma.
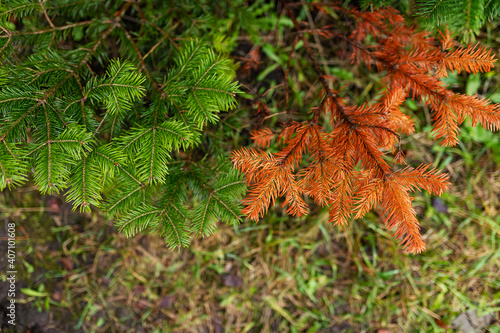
x: 77, y: 273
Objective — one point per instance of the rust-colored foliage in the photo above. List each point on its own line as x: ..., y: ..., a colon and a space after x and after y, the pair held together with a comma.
x: 348, y: 169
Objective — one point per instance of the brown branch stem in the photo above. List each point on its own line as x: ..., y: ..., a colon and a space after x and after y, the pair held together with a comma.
x: 316, y: 66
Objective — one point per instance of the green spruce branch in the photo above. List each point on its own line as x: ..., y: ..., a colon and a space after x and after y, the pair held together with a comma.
x: 115, y: 119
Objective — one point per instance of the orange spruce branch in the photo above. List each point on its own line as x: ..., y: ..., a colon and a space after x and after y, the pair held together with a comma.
x: 252, y: 161
x: 399, y: 213
x: 341, y: 200
x: 479, y: 110
x: 347, y: 169
x: 368, y: 196
x: 291, y: 155
x: 262, y: 195
x: 262, y: 137
x: 410, y: 68
x: 367, y: 151
x: 472, y: 59
x: 432, y: 180
x: 445, y: 123
x: 297, y: 205
x: 317, y: 178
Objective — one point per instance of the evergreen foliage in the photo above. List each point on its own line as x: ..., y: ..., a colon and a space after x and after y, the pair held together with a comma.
x: 107, y: 101
x: 465, y: 17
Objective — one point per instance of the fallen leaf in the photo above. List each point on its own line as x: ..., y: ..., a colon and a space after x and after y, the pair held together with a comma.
x: 67, y: 263
x: 167, y: 301
x: 231, y: 280
x: 439, y: 205
x: 57, y: 296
